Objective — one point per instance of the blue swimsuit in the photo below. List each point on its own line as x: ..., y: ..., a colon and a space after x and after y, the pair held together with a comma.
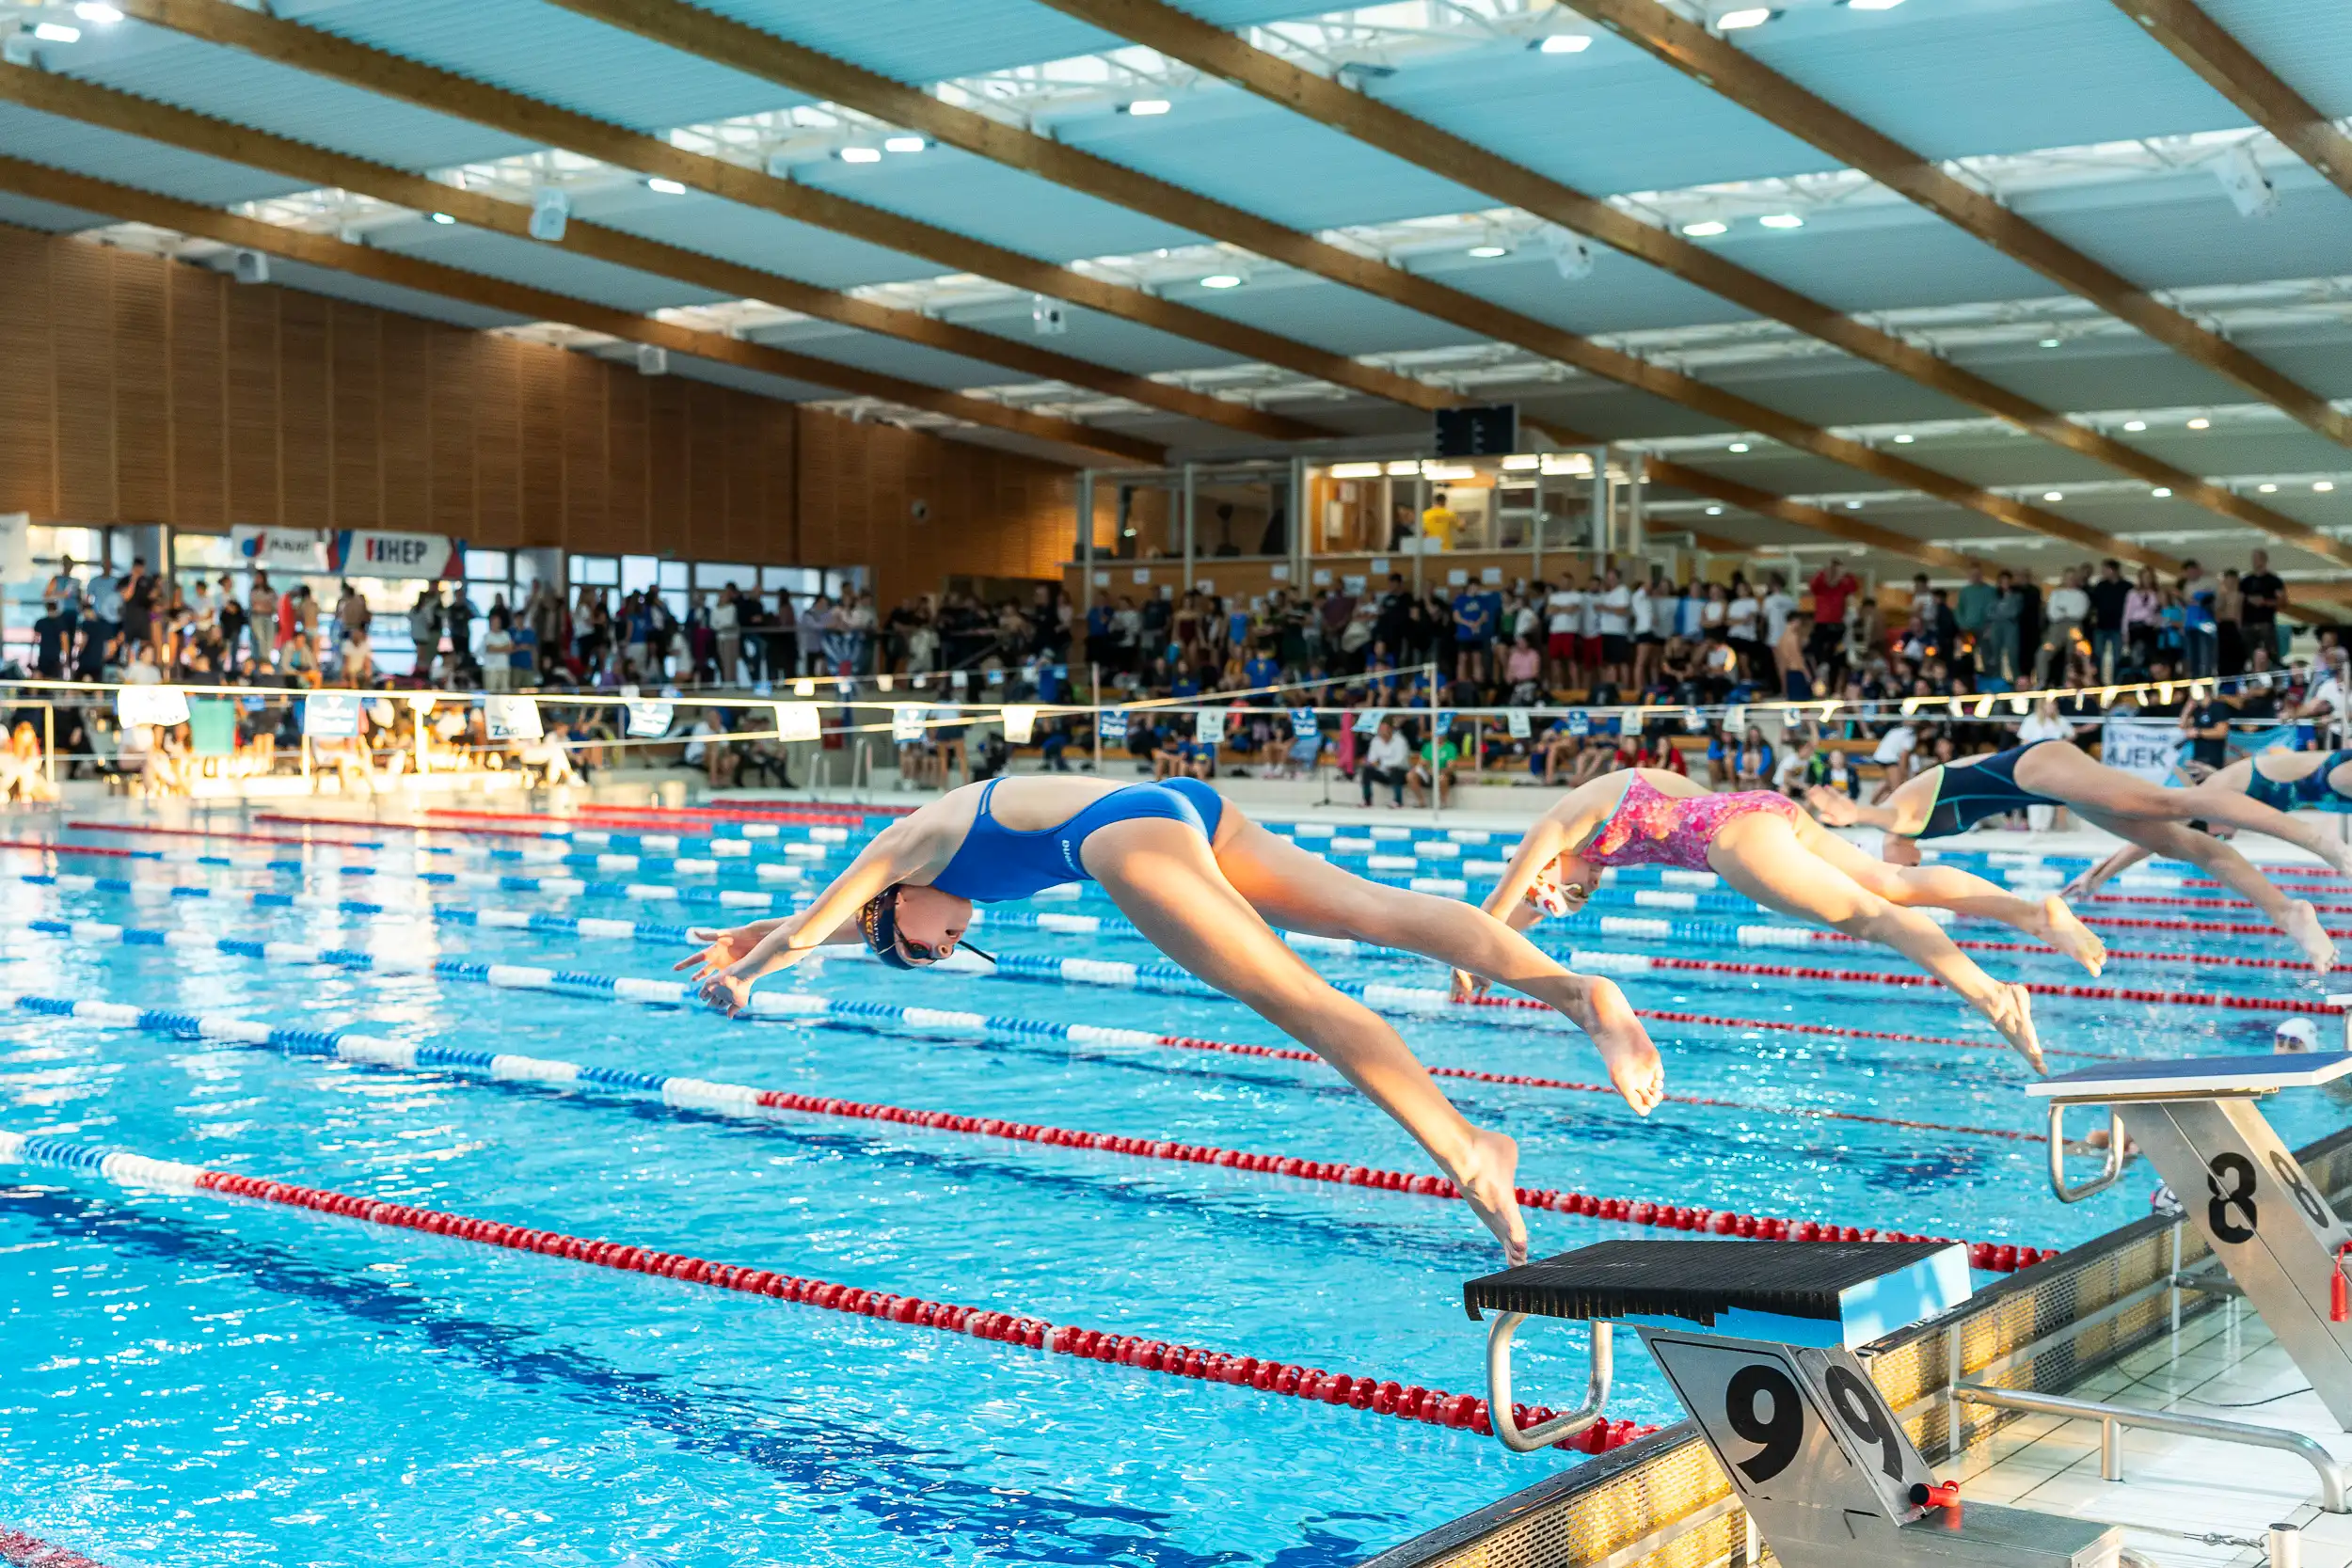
x: 2312, y: 792
x: 1966, y: 796
x: 997, y: 863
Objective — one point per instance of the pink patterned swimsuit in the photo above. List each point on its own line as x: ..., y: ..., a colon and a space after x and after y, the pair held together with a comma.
x: 1652, y: 828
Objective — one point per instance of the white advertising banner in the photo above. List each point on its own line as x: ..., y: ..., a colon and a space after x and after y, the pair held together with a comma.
x: 279, y: 550
x: 330, y: 715
x: 649, y: 720
x: 513, y: 717
x: 798, y: 721
x: 151, y: 705
x: 1020, y: 726
x: 371, y: 553
x: 2151, y: 748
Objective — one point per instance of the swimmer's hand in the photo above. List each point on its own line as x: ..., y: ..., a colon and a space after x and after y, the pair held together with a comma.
x: 726, y: 991
x: 2087, y: 881
x: 1832, y: 806
x: 1468, y: 987
x: 722, y: 949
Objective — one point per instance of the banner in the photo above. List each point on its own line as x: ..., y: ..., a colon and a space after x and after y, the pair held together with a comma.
x: 1208, y: 727
x: 2151, y: 748
x: 1020, y: 726
x: 798, y: 721
x: 513, y: 717
x: 907, y: 724
x: 279, y: 550
x: 1368, y: 721
x: 1444, y: 725
x: 1111, y: 727
x: 369, y: 553
x: 1303, y: 723
x: 151, y: 705
x: 1579, y: 722
x: 649, y: 720
x: 331, y: 716
x: 1515, y: 722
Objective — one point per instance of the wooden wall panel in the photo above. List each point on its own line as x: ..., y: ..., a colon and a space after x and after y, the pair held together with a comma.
x: 29, y: 447
x: 256, y: 434
x: 138, y: 390
x: 198, y: 390
x: 83, y: 386
x: 142, y: 394
x: 404, y: 377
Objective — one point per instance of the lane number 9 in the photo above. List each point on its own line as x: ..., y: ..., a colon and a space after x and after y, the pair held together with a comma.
x: 1779, y: 1432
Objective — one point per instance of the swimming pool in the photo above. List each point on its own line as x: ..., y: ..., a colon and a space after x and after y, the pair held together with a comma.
x: 195, y: 1377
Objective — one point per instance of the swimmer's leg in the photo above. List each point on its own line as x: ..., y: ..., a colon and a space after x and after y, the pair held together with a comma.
x: 2073, y: 779
x: 1759, y: 855
x: 1299, y: 892
x: 1163, y: 877
x: 2295, y: 916
x: 2046, y: 919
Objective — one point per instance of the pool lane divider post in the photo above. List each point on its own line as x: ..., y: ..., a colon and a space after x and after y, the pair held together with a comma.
x: 1385, y: 1397
x: 744, y: 1102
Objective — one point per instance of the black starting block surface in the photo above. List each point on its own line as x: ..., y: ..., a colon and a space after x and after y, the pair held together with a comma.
x: 1695, y: 1280
x: 2196, y: 1078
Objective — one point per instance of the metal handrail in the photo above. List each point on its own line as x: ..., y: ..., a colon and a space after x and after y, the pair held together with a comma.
x: 2106, y: 1177
x: 2112, y: 1417
x: 1544, y: 1433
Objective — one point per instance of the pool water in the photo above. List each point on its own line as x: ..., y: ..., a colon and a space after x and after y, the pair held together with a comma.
x: 193, y: 1378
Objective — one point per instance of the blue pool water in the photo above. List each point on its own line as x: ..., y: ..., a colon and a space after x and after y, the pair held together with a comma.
x: 195, y: 1379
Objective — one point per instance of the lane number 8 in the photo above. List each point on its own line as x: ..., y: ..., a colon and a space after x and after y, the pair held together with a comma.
x: 2229, y: 1183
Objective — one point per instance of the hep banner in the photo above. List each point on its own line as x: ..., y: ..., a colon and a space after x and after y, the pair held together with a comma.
x: 369, y: 553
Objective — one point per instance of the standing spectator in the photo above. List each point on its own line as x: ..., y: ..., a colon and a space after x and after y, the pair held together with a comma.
x: 52, y: 633
x: 1564, y: 628
x: 457, y: 618
x: 2143, y: 617
x: 1474, y: 634
x: 1788, y: 652
x: 261, y: 619
x: 808, y: 634
x: 2265, y: 597
x: 1612, y: 610
x: 726, y: 627
x: 2069, y: 606
x: 2201, y: 638
x: 1970, y: 613
x: 1652, y: 607
x: 2109, y: 597
x: 138, y: 604
x: 1832, y: 586
x: 497, y: 652
x: 424, y: 629
x: 2229, y: 616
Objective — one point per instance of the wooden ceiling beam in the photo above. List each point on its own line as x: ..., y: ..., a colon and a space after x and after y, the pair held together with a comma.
x: 447, y: 92
x: 1717, y: 64
x: 2239, y: 75
x: 141, y: 116
x: 709, y: 36
x: 136, y: 206
x: 1223, y: 55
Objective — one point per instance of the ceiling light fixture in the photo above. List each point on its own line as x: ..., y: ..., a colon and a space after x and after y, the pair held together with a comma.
x: 1905, y: 439
x: 1781, y: 220
x: 1355, y: 470
x: 1149, y: 106
x: 2135, y: 424
x: 57, y: 32
x: 444, y: 217
x: 1566, y: 44
x: 2053, y: 495
x: 1854, y: 506
x: 1221, y: 280
x: 903, y: 144
x: 1487, y: 252
x: 2049, y: 343
x: 2268, y: 489
x: 1746, y: 16
x: 861, y: 155
x: 2201, y: 423
x: 1706, y: 229
x: 1873, y: 4
x: 666, y: 187
x: 1715, y: 511
x: 2162, y: 492
x: 1404, y: 469
x: 1738, y: 446
x: 96, y: 11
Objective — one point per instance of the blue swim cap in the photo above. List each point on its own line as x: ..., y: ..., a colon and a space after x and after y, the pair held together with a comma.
x: 878, y: 923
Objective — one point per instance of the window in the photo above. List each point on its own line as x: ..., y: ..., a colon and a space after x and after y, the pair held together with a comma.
x: 710, y: 576
x: 596, y: 571
x: 487, y: 566
x: 674, y: 574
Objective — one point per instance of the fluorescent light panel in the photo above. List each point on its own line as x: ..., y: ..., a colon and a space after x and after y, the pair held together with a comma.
x: 1150, y: 107
x: 1566, y: 44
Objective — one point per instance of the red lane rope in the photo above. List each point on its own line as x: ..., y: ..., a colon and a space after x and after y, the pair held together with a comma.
x: 31, y: 1551
x: 1787, y: 1027
x: 849, y: 816
x: 1522, y: 1080
x: 2195, y: 903
x: 2217, y: 928
x: 1385, y: 1397
x: 209, y: 833
x: 2139, y: 954
x: 365, y: 824
x: 2100, y: 993
x: 69, y: 849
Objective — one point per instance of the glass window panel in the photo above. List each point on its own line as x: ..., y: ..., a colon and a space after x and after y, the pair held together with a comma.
x: 639, y: 572
x: 486, y: 566
x: 596, y: 571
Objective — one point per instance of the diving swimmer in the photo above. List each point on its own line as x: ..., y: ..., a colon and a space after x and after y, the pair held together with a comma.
x: 1208, y: 887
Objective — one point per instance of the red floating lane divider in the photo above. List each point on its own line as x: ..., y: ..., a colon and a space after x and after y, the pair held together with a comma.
x: 1786, y: 1026
x: 71, y: 848
x: 370, y: 825
x: 145, y: 830
x: 2191, y: 903
x: 2101, y: 993
x: 2225, y: 960
x: 1529, y: 1080
x: 2217, y: 928
x: 1340, y: 1173
x: 1384, y: 1396
x: 31, y: 1551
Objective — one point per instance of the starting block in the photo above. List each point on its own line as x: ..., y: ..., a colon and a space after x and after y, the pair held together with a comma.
x: 1757, y: 1339
x: 2268, y: 1225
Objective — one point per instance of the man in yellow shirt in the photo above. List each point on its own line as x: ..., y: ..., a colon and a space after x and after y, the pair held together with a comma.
x: 1438, y: 524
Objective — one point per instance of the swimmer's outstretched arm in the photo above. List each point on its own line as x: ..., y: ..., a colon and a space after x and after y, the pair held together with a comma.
x: 2090, y: 881
x: 908, y: 847
x: 1538, y: 847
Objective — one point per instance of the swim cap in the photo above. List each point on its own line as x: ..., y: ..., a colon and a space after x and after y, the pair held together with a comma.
x: 878, y: 923
x: 2302, y: 1031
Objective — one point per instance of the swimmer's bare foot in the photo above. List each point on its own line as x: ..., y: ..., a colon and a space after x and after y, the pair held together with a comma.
x: 1487, y: 1179
x: 2302, y: 923
x: 2070, y: 936
x: 1468, y: 987
x: 1599, y: 1008
x: 2010, y: 1009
